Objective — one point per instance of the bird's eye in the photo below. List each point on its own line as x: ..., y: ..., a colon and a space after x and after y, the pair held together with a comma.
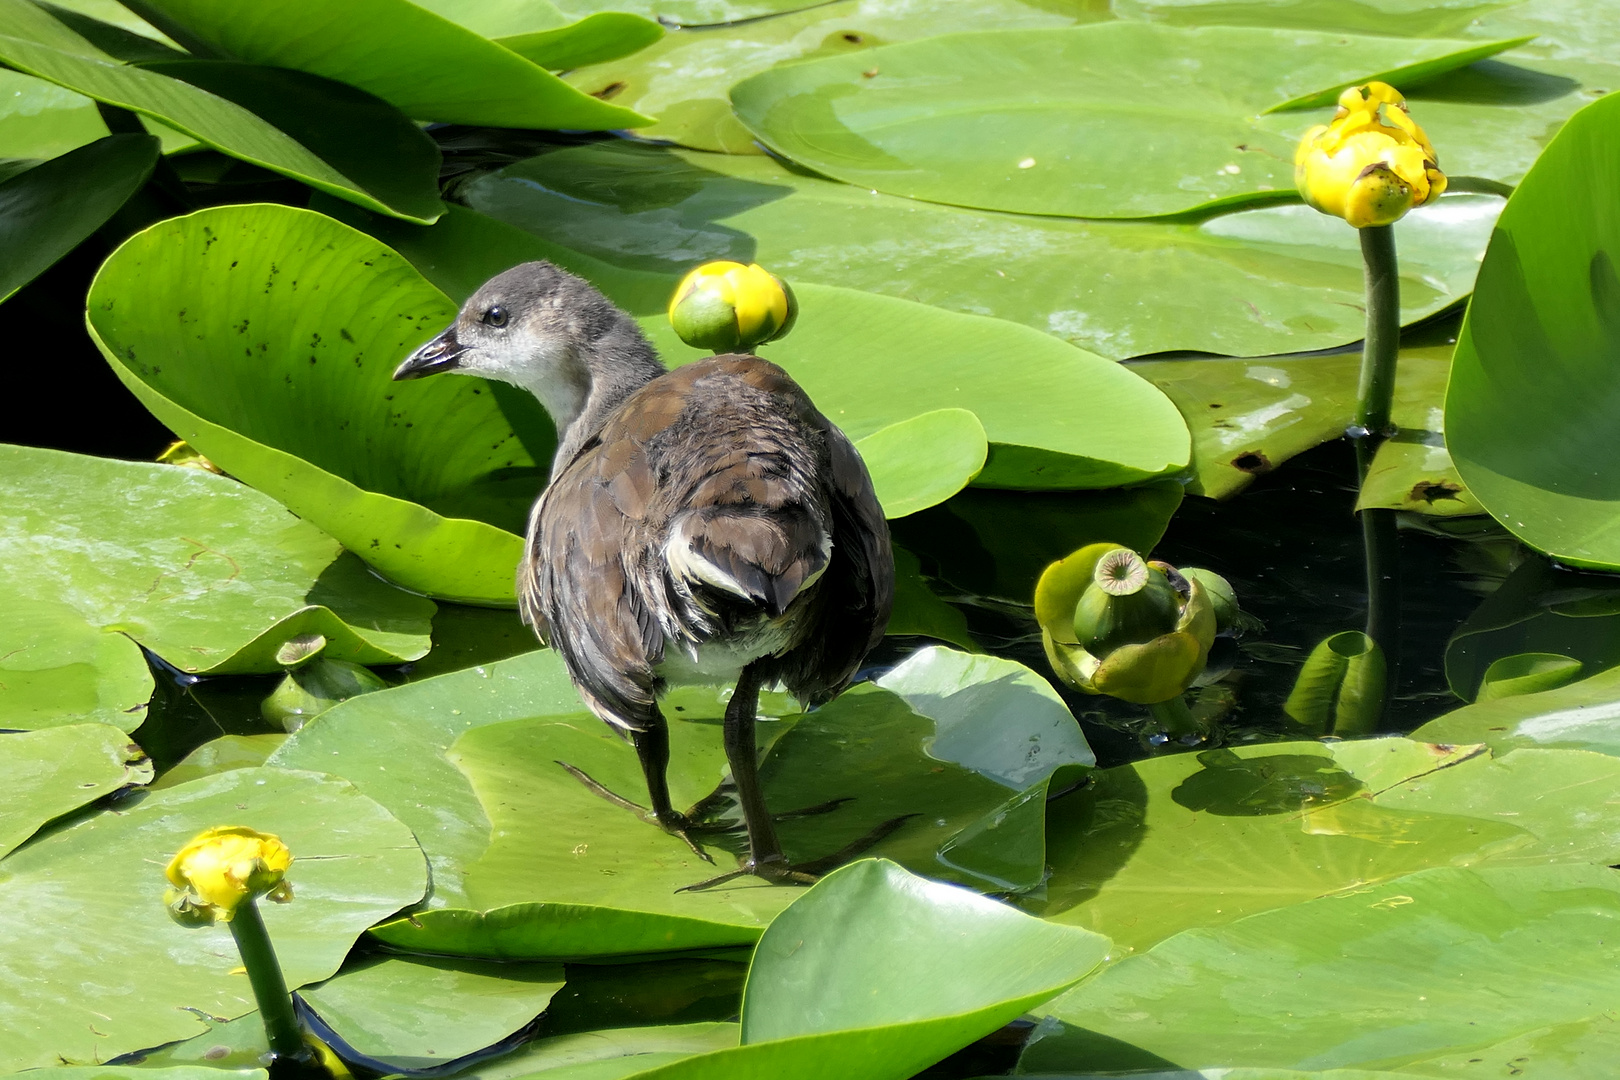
x: 495, y: 316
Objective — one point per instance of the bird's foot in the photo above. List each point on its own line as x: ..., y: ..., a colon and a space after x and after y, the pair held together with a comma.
x: 699, y: 821
x: 778, y: 871
x: 671, y: 821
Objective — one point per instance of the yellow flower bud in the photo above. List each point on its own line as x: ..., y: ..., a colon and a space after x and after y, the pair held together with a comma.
x: 221, y: 869
x: 1372, y: 163
x: 726, y: 306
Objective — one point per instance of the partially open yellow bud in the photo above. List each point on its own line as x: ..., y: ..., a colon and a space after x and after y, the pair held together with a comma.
x: 726, y: 306
x: 1372, y: 163
x: 221, y: 869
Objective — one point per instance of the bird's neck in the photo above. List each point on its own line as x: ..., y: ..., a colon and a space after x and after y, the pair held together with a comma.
x: 616, y: 367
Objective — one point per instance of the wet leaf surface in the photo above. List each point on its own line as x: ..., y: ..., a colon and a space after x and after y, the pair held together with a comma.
x: 45, y: 774
x: 210, y: 575
x: 94, y: 890
x: 57, y: 668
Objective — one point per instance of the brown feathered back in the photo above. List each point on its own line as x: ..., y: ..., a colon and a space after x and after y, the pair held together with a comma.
x: 699, y: 513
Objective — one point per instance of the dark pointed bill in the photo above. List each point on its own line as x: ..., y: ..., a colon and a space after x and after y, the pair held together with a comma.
x: 443, y: 353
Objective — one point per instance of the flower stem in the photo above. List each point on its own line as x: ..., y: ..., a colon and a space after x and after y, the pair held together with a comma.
x: 1177, y: 719
x: 269, y: 987
x: 1375, y: 394
x: 1376, y: 389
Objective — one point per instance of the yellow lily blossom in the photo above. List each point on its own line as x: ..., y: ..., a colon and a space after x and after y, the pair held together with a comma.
x: 727, y: 306
x: 1372, y: 163
x: 224, y: 867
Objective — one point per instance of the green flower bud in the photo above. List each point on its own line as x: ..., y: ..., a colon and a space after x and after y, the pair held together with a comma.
x: 726, y: 307
x: 1221, y: 596
x: 1127, y: 603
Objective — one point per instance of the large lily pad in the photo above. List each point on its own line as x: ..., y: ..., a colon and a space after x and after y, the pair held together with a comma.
x: 983, y: 119
x: 94, y: 891
x: 1273, y: 280
x: 39, y: 119
x: 409, y: 475
x: 1159, y: 846
x: 1583, y: 715
x: 417, y: 1013
x: 1249, y: 416
x: 424, y: 64
x: 1391, y: 18
x: 923, y: 461
x: 354, y: 146
x: 1530, y: 407
x: 46, y: 211
x: 210, y: 575
x: 57, y: 668
x: 1379, y: 977
x: 605, y: 1055
x: 536, y: 865
x: 45, y: 774
x: 685, y: 80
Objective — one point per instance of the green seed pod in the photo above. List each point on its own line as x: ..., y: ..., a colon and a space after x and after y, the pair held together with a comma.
x: 1127, y: 603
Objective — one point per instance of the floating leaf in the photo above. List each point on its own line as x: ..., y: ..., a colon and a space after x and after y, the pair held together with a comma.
x: 45, y: 774
x: 979, y: 119
x: 1250, y: 416
x: 1529, y: 419
x: 1271, y: 280
x: 57, y: 668
x: 1584, y: 715
x: 46, y: 211
x: 415, y: 1013
x: 222, y: 755
x: 1537, y: 609
x: 1407, y: 970
x: 354, y: 130
x: 685, y: 80
x: 605, y: 1055
x: 210, y: 575
x: 923, y: 461
x: 93, y: 891
x: 595, y: 39
x: 1391, y: 18
x: 127, y: 1072
x: 422, y: 63
x: 39, y: 119
x: 1159, y: 846
x: 396, y: 472
x: 1527, y: 673
x: 1340, y: 690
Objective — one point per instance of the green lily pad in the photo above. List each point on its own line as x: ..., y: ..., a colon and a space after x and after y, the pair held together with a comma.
x: 595, y: 39
x: 1537, y: 609
x: 605, y: 1055
x: 982, y: 119
x: 45, y: 774
x: 1536, y: 352
x: 94, y: 891
x: 1249, y: 416
x: 1159, y: 846
x: 1271, y: 280
x: 520, y: 848
x: 422, y: 63
x: 46, y: 211
x: 1584, y: 715
x: 685, y: 80
x: 923, y: 461
x: 1527, y: 673
x: 689, y: 13
x: 418, y: 1013
x: 1390, y: 18
x: 920, y: 611
x: 39, y: 119
x: 227, y: 1044
x: 876, y: 973
x: 57, y: 668
x: 210, y: 575
x: 1407, y: 970
x: 339, y: 155
x: 126, y: 1072
x: 409, y: 475
x: 222, y: 755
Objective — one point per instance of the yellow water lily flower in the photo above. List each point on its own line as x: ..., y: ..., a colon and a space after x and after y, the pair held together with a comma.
x: 221, y: 869
x: 1372, y: 163
x: 726, y: 306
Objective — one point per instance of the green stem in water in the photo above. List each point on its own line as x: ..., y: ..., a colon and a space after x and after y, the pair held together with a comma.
x: 1375, y: 395
x: 269, y: 987
x: 1176, y: 718
x: 1375, y: 390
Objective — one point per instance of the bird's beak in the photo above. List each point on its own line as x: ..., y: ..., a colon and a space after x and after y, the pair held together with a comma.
x: 443, y: 353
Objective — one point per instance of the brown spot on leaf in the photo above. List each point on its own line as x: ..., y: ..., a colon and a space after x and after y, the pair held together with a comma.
x: 610, y: 91
x: 1252, y: 462
x: 1432, y: 491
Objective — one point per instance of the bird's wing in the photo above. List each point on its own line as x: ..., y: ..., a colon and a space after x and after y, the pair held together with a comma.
x: 579, y: 592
